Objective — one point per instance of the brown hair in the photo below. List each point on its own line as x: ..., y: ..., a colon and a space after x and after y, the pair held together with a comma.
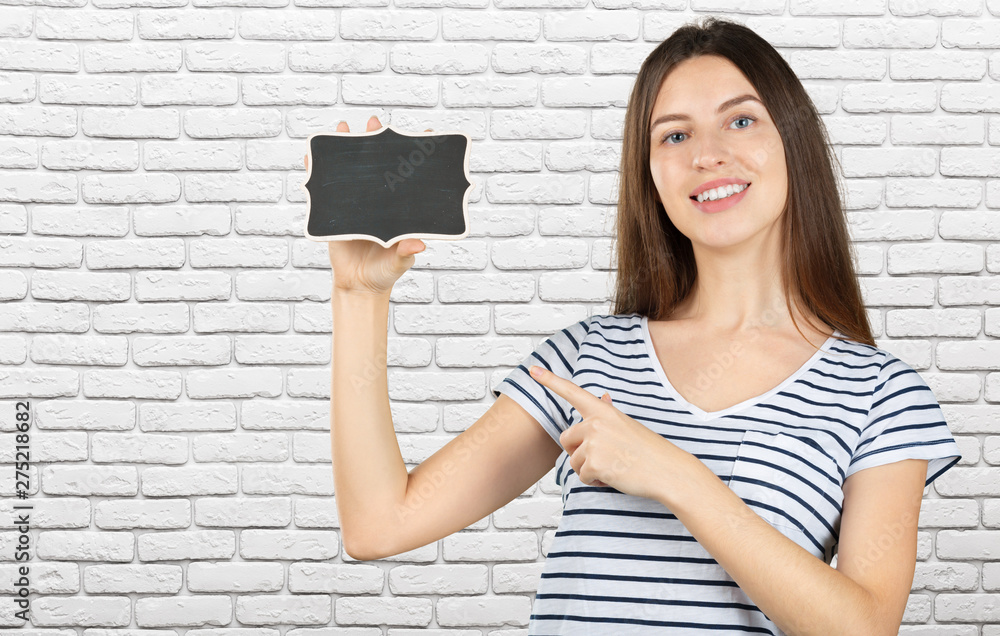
x: 656, y: 265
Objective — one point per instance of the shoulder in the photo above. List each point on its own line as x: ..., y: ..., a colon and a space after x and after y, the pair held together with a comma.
x: 604, y: 330
x: 616, y: 327
x: 884, y: 365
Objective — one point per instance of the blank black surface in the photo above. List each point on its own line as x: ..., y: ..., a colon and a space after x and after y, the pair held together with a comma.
x: 387, y: 185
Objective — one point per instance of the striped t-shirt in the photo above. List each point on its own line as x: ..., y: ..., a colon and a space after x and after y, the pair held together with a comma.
x: 621, y: 564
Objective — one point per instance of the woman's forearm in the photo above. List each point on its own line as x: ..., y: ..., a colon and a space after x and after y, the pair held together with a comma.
x: 369, y: 474
x: 800, y: 593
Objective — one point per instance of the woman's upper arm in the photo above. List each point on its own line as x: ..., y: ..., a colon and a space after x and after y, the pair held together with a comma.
x: 484, y: 468
x: 878, y: 535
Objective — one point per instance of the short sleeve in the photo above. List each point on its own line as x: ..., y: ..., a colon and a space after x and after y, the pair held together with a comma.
x: 905, y: 421
x: 558, y: 354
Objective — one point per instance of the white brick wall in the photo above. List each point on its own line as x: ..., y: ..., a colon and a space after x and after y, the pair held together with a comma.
x: 154, y: 280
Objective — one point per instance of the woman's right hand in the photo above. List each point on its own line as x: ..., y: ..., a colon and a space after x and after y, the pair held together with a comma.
x: 361, y: 265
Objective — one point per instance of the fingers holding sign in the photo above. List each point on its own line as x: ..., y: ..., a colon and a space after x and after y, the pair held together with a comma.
x: 607, y: 447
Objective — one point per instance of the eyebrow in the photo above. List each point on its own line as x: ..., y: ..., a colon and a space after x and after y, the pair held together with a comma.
x: 729, y: 103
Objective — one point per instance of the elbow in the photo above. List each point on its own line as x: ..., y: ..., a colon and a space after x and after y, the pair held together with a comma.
x: 880, y: 622
x: 358, y: 550
x: 886, y: 628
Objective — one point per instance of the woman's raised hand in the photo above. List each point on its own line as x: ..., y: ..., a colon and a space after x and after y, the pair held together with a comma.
x: 361, y: 265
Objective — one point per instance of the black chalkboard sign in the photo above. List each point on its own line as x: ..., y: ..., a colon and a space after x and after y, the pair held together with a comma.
x: 386, y: 185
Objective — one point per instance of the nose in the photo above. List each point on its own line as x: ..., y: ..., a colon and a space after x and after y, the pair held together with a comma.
x: 710, y: 151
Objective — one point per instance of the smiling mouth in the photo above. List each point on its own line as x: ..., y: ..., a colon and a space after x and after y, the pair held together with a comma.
x: 695, y: 198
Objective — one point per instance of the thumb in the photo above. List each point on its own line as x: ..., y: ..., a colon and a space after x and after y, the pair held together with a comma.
x: 404, y: 257
x: 408, y: 247
x: 606, y: 397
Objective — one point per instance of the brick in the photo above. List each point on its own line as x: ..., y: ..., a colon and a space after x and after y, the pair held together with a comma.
x: 547, y: 188
x: 81, y: 221
x: 390, y: 90
x: 970, y: 162
x: 571, y: 156
x: 132, y: 383
x: 139, y: 57
x: 50, y: 57
x: 857, y: 130
x: 302, y: 24
x: 946, y: 258
x: 186, y: 24
x: 145, y: 318
x: 202, y: 89
x: 17, y: 153
x: 973, y: 33
x: 948, y: 130
x: 413, y: 612
x: 368, y: 24
x: 931, y: 65
x: 105, y: 91
x: 39, y: 187
x: 268, y: 609
x: 129, y: 253
x: 891, y: 225
x: 40, y: 252
x: 84, y: 286
x: 17, y: 22
x: 545, y: 58
x: 335, y: 57
x: 128, y: 188
x: 518, y: 124
x: 159, y: 123
x: 853, y: 65
x: 591, y: 25
x: 890, y: 33
x: 79, y: 350
x: 801, y: 32
x: 488, y: 91
x: 943, y: 193
x: 439, y: 59
x: 125, y: 578
x: 586, y: 91
x: 889, y: 162
x: 835, y: 7
x: 969, y: 97
x: 915, y: 97
x: 183, y: 611
x: 190, y: 416
x: 264, y: 349
x: 182, y: 350
x: 454, y: 611
x: 508, y: 25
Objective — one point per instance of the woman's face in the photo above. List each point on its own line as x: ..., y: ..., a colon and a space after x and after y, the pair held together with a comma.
x: 740, y: 142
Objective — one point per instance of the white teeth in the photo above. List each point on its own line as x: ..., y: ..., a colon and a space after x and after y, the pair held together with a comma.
x: 721, y: 193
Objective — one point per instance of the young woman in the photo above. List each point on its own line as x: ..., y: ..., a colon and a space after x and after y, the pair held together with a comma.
x: 719, y: 438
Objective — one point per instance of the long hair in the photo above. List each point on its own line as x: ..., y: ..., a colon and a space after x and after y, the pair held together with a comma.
x: 656, y: 265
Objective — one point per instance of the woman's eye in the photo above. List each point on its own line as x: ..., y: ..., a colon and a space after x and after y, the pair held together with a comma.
x: 738, y: 118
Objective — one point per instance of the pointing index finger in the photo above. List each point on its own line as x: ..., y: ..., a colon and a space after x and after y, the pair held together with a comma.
x: 581, y: 399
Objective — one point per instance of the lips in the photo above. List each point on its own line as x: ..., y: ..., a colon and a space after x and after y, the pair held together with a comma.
x: 710, y: 206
